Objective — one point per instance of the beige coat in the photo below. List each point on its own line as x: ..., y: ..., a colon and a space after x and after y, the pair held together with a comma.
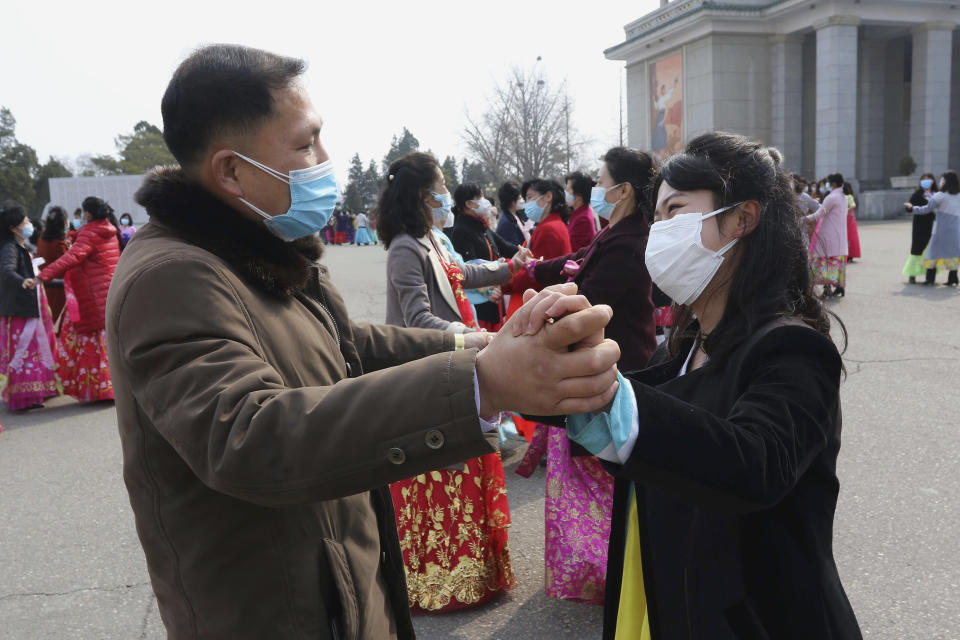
x: 256, y: 455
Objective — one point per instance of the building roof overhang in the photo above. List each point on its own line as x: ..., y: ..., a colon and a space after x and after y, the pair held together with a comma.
x: 683, y: 21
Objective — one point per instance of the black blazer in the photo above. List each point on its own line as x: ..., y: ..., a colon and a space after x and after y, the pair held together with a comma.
x: 473, y: 241
x: 613, y: 271
x: 736, y: 487
x: 16, y: 266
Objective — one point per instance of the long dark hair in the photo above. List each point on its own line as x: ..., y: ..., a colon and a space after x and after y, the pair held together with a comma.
x: 100, y: 210
x: 559, y: 205
x: 401, y: 208
x: 636, y: 168
x: 773, y: 278
x: 11, y: 215
x: 56, y: 228
x: 951, y: 182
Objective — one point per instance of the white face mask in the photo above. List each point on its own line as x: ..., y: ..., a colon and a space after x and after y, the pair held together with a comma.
x: 483, y: 206
x: 677, y: 260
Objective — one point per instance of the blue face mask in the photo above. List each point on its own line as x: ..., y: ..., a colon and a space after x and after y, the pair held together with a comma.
x: 441, y: 213
x: 77, y: 224
x: 533, y: 210
x: 926, y: 183
x: 599, y: 204
x: 313, y: 195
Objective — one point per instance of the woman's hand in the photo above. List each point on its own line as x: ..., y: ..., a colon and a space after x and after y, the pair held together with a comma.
x: 552, y: 302
x: 30, y: 283
x: 908, y: 206
x: 495, y: 294
x: 519, y: 263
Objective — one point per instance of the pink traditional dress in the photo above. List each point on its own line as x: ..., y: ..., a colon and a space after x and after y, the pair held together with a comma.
x: 577, y: 513
x: 453, y: 523
x: 27, y: 362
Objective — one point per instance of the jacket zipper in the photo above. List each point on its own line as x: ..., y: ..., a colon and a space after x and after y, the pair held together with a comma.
x: 336, y: 328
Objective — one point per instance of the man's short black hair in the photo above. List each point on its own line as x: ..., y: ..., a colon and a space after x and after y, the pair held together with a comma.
x: 221, y: 88
x: 582, y: 185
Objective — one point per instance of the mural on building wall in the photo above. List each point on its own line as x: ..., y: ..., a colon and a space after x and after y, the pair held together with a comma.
x: 666, y: 102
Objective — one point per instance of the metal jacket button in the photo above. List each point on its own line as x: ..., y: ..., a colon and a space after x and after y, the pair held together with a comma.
x: 434, y: 439
x: 349, y: 370
x: 396, y: 455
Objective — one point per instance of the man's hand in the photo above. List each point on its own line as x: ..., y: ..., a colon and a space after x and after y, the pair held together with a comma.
x: 539, y: 374
x: 477, y: 340
x: 31, y: 283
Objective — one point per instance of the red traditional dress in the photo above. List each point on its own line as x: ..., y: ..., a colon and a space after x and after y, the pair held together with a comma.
x: 453, y: 523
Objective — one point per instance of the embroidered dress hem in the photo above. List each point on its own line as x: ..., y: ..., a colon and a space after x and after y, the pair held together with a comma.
x: 26, y: 358
x: 943, y: 264
x: 915, y: 267
x: 830, y: 271
x: 453, y: 534
x: 82, y: 363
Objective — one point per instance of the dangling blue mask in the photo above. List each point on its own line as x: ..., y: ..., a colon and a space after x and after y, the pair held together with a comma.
x: 533, y: 210
x: 313, y: 195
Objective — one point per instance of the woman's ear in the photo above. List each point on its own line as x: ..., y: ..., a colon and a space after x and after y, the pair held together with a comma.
x: 748, y: 217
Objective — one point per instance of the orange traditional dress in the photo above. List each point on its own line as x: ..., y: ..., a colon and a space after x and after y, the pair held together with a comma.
x: 453, y: 523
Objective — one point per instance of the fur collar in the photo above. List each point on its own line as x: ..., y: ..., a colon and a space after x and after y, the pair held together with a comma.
x: 280, y: 268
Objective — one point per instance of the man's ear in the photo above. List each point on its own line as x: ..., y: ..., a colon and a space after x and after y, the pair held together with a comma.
x: 748, y: 217
x: 223, y: 172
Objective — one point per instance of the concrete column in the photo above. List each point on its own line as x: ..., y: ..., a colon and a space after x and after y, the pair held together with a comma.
x: 955, y: 106
x: 638, y: 106
x: 872, y: 116
x: 786, y: 99
x: 930, y: 95
x: 837, y: 96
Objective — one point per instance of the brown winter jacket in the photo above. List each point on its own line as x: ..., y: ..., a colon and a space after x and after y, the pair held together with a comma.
x: 260, y: 427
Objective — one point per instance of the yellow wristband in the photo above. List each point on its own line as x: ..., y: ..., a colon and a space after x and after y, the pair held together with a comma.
x: 459, y: 342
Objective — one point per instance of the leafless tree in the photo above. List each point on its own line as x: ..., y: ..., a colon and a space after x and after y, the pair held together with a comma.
x: 525, y: 131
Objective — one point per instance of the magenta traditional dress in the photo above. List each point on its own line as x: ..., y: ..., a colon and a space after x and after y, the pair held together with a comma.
x: 577, y: 515
x: 27, y: 347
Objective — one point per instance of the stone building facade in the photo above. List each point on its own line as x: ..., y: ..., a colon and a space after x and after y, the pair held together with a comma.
x: 838, y: 85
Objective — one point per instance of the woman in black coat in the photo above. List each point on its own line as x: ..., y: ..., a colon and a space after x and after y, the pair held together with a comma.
x: 922, y: 228
x: 473, y: 239
x: 725, y: 448
x: 27, y: 340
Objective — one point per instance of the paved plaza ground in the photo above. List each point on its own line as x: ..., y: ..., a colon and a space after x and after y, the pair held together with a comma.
x: 71, y: 564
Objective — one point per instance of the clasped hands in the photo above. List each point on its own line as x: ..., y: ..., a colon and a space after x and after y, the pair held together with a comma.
x: 550, y: 358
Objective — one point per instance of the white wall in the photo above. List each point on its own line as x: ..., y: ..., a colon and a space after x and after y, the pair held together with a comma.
x: 698, y: 87
x: 116, y: 190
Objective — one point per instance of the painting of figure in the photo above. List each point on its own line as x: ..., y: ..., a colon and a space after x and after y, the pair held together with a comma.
x: 666, y: 101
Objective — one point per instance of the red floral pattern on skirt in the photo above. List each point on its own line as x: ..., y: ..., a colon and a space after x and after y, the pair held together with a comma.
x: 82, y: 363
x: 26, y: 362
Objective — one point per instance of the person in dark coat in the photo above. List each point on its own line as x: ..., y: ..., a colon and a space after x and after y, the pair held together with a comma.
x: 725, y: 448
x: 27, y: 340
x: 259, y: 424
x: 473, y: 239
x: 922, y: 228
x: 510, y: 225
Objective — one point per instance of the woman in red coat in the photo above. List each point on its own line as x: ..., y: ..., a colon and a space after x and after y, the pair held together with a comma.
x: 546, y: 205
x: 87, y: 269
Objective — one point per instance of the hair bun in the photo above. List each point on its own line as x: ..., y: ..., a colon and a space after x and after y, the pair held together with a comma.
x: 775, y: 155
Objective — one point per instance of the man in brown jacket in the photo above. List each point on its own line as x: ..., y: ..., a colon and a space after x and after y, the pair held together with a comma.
x: 260, y: 425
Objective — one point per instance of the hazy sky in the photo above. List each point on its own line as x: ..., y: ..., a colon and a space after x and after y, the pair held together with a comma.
x: 75, y: 74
